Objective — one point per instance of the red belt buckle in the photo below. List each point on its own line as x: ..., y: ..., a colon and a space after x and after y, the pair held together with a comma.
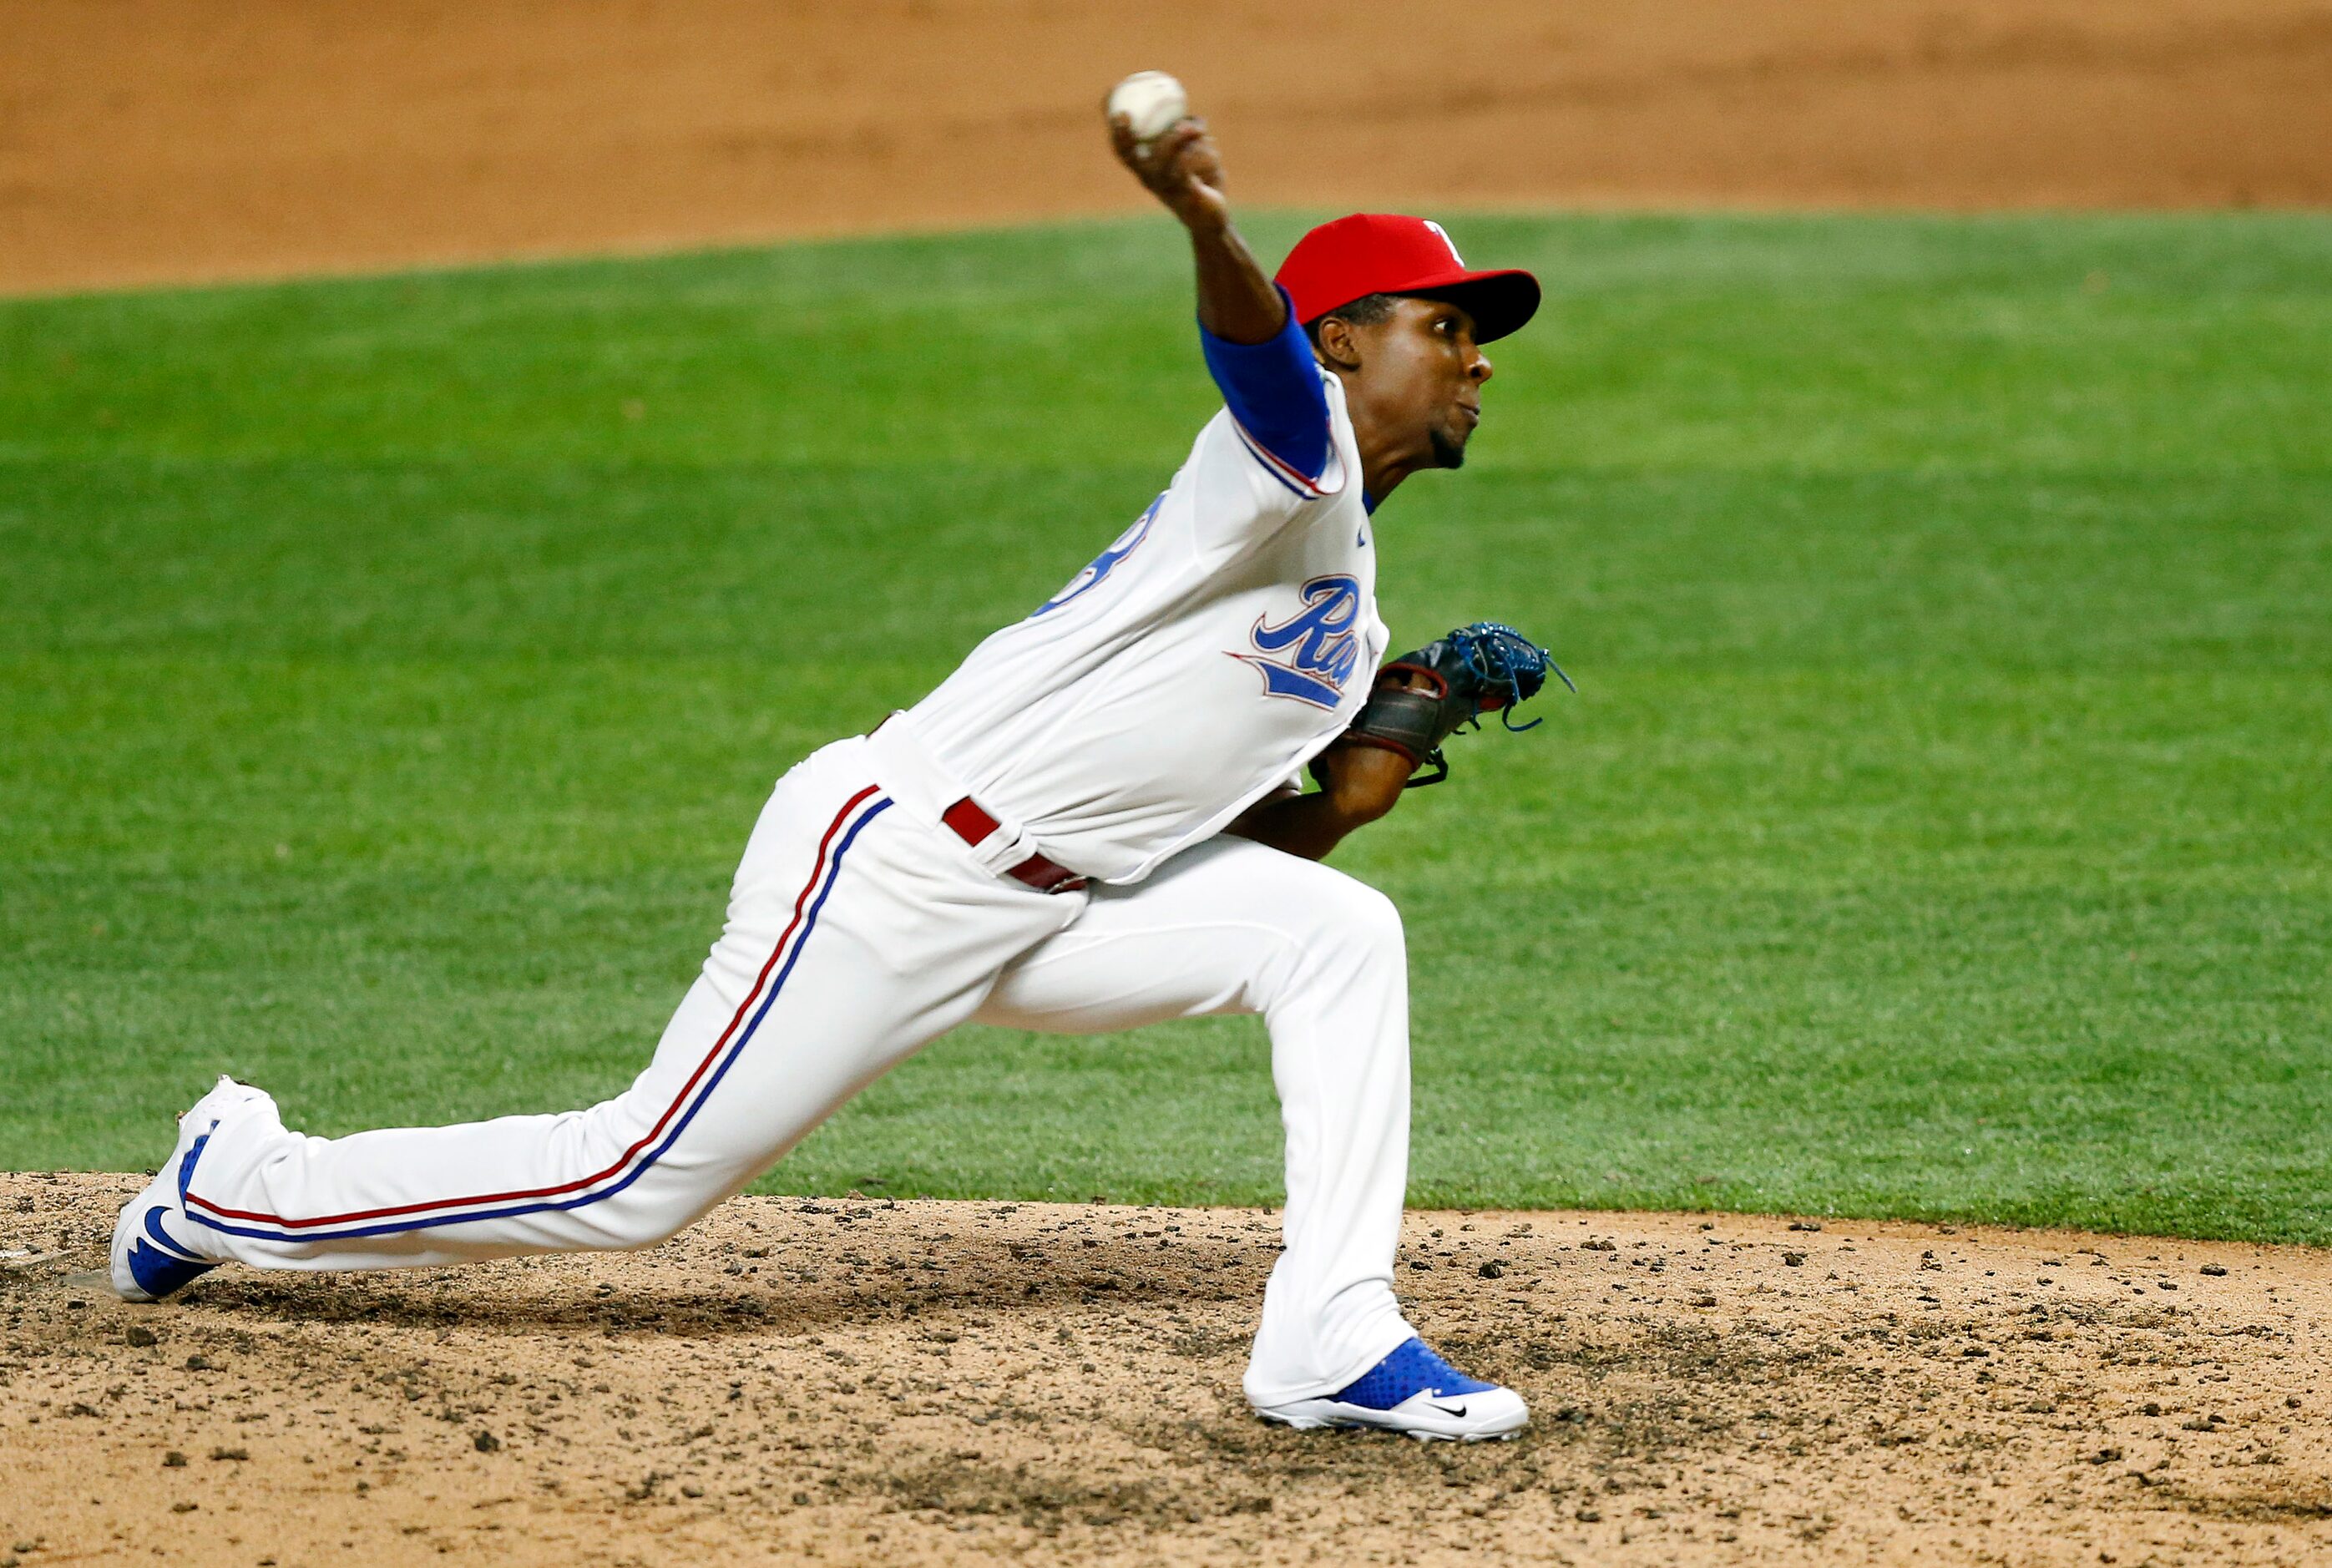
x: 972, y: 824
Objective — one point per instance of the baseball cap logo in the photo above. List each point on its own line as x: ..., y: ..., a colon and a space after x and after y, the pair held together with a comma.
x: 1445, y: 240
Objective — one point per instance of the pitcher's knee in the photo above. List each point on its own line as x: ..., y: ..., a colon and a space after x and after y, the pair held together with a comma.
x: 650, y: 1219
x: 654, y: 1229
x: 1362, y: 923
x: 1332, y: 933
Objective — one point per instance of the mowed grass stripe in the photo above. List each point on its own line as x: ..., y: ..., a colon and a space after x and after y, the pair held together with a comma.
x: 1842, y: 343
x: 390, y: 670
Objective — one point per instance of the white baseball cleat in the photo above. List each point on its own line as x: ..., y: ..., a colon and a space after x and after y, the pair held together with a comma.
x: 151, y: 1257
x: 1415, y: 1392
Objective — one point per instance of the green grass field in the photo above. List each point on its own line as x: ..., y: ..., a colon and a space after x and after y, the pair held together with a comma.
x: 390, y: 670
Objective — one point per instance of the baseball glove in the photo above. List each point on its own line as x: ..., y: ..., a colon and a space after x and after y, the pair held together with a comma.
x: 1423, y: 698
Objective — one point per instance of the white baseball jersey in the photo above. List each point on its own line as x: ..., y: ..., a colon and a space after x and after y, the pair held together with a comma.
x: 1202, y: 659
x: 1199, y: 661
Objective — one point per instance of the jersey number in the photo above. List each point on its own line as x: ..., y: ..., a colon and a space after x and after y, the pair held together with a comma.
x: 1101, y: 565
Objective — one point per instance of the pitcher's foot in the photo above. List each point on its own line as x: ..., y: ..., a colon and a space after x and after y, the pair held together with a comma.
x: 1414, y: 1391
x: 151, y: 1255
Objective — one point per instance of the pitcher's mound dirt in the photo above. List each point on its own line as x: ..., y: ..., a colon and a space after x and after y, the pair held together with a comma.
x: 859, y: 1381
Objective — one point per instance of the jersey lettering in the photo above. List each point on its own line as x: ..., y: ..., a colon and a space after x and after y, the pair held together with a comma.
x: 1318, y: 644
x: 1054, y: 721
x: 1101, y: 565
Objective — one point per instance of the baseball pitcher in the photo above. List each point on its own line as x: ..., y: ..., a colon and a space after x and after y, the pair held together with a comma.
x: 1098, y: 822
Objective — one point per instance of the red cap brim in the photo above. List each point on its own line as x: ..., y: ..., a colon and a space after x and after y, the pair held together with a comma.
x: 1499, y: 302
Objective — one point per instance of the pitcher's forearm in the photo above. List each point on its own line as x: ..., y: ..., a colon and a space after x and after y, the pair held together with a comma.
x: 1363, y: 784
x: 1236, y: 303
x: 1299, y: 825
x: 1183, y: 169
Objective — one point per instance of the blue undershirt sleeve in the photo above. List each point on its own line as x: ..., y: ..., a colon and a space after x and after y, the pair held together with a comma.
x: 1273, y: 390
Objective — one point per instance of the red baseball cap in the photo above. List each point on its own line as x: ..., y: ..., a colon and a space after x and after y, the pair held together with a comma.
x: 1387, y: 253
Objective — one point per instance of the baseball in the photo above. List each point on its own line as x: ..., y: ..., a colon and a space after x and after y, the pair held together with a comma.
x: 1151, y: 101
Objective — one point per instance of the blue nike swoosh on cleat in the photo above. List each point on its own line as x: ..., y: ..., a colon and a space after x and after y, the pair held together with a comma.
x: 168, y: 1243
x: 159, y: 1273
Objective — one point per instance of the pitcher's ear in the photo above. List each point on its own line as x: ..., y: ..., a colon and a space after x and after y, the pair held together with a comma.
x: 1339, y: 344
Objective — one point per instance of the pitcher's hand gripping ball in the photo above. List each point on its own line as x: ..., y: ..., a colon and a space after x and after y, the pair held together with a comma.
x: 1152, y: 103
x: 1423, y: 698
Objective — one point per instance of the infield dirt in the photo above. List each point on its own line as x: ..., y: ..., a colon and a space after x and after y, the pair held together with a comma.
x: 859, y: 1381
x: 162, y: 141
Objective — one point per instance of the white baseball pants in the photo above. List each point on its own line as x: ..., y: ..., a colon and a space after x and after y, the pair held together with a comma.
x: 859, y: 929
